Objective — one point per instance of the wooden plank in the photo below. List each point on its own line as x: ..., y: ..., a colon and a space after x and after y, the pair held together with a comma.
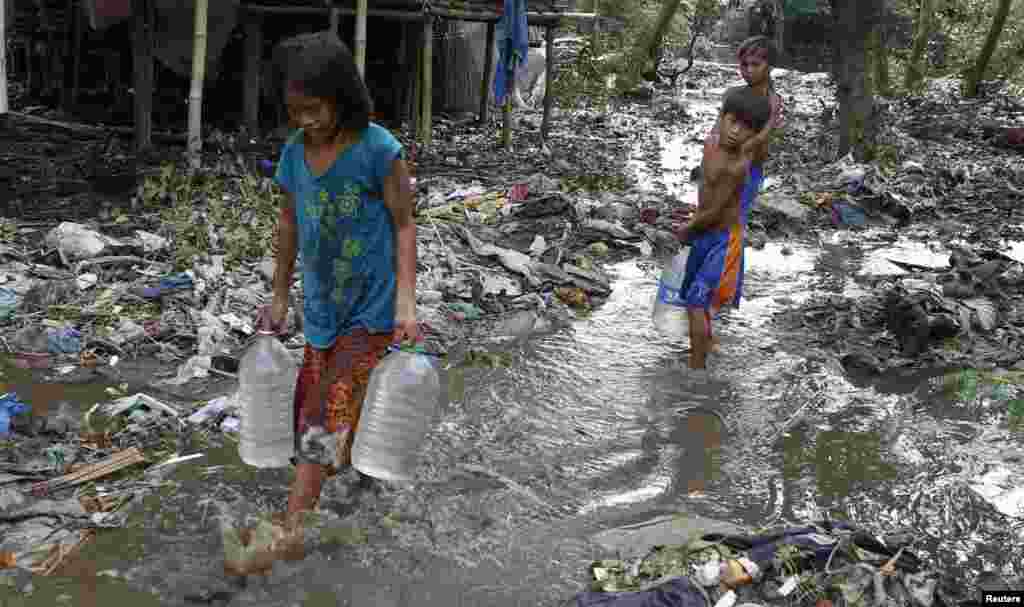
x: 549, y: 76
x: 252, y: 77
x: 485, y: 85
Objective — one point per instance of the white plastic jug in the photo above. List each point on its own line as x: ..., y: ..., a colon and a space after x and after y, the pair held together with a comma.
x: 401, y: 402
x: 266, y: 387
x: 669, y: 315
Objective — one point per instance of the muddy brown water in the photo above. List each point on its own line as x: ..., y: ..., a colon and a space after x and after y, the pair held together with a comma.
x: 597, y: 427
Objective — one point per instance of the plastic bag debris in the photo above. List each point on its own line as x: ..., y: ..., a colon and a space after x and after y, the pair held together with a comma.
x: 8, y: 303
x: 138, y: 402
x: 211, y: 410
x: 75, y: 242
x: 64, y: 340
x: 9, y: 407
x: 151, y: 243
x: 86, y: 281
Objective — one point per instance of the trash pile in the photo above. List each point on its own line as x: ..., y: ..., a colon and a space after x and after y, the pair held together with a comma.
x: 961, y: 187
x: 65, y: 479
x: 823, y: 564
x: 968, y: 313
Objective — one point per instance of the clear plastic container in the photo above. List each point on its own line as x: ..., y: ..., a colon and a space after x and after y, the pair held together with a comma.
x: 401, y: 401
x: 266, y: 389
x: 669, y: 315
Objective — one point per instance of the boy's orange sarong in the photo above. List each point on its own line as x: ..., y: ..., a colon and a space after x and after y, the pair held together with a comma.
x: 329, y: 397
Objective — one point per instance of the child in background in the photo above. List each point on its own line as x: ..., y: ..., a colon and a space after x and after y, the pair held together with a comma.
x: 349, y: 210
x: 756, y: 57
x: 714, y: 268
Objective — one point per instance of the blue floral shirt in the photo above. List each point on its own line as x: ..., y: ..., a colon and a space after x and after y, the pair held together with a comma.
x: 346, y: 236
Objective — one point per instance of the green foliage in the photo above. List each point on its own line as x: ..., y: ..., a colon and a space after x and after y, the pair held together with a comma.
x: 966, y: 23
x: 584, y: 81
x: 205, y: 214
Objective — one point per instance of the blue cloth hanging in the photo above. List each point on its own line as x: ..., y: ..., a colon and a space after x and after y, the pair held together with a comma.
x: 513, y: 48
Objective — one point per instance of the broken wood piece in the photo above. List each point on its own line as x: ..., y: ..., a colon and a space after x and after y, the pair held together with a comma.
x: 112, y: 464
x: 108, y: 261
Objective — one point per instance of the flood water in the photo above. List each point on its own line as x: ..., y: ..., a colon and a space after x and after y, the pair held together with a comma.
x: 603, y: 425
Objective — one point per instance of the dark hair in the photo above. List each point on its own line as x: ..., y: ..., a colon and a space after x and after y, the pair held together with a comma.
x: 749, y: 108
x: 759, y: 43
x: 323, y: 66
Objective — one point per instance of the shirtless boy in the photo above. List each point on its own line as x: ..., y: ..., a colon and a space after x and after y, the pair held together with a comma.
x: 714, y: 268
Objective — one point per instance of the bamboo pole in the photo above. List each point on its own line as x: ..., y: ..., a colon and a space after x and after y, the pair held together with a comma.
x: 195, y: 97
x: 3, y: 58
x: 485, y: 85
x: 142, y: 62
x: 252, y: 77
x: 549, y: 75
x: 360, y: 37
x: 426, y: 122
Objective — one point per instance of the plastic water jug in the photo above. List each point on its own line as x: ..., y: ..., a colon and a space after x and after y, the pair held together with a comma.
x: 669, y: 314
x: 266, y: 388
x: 401, y: 402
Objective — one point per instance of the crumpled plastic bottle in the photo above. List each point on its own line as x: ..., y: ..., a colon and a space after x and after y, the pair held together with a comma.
x: 9, y: 407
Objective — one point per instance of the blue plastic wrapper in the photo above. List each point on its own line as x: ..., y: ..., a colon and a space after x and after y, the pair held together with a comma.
x: 9, y: 407
x: 64, y: 341
x: 8, y: 302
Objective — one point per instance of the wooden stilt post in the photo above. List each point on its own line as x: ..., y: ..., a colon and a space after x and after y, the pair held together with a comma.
x: 142, y: 64
x: 549, y: 75
x: 485, y: 85
x: 427, y: 93
x: 76, y: 51
x: 3, y: 57
x: 416, y: 83
x: 195, y: 97
x: 360, y: 37
x: 253, y: 65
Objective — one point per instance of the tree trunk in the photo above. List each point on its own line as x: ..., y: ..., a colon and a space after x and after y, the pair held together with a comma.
x: 880, y: 59
x: 923, y: 32
x: 195, y: 97
x: 855, y: 19
x: 978, y: 73
x: 647, y: 47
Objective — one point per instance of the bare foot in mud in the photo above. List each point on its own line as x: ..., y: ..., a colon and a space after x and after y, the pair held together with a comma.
x: 289, y: 537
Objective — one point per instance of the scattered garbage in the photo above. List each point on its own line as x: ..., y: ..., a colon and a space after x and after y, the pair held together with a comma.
x: 9, y: 407
x: 64, y: 340
x: 75, y: 242
x: 826, y: 561
x: 8, y: 303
